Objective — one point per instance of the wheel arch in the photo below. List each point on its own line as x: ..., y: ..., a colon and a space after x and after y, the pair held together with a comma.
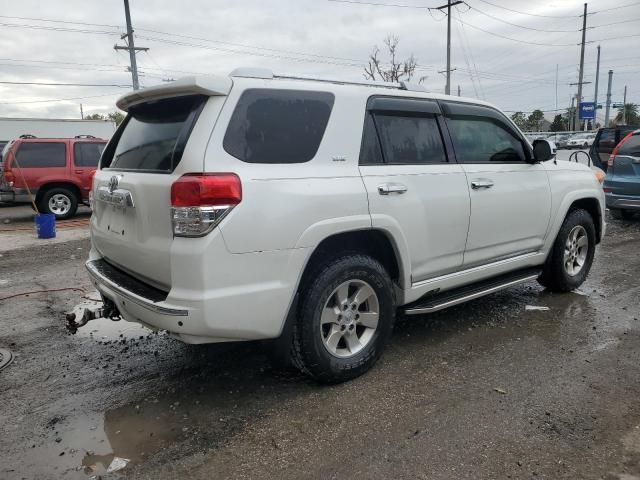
x: 44, y: 188
x: 373, y: 242
x: 593, y: 207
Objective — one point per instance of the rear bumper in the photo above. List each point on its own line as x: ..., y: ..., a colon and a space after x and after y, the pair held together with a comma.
x: 627, y: 202
x: 16, y: 195
x: 216, y: 296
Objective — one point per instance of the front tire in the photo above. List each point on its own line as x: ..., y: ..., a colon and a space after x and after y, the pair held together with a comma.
x: 346, y: 316
x: 572, y: 254
x: 62, y: 202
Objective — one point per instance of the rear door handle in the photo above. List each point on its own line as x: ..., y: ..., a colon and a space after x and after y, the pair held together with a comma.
x: 389, y: 188
x: 79, y: 171
x: 477, y: 184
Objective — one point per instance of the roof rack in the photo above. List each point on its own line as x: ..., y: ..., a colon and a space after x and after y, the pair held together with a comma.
x: 27, y: 135
x: 84, y: 136
x: 268, y: 74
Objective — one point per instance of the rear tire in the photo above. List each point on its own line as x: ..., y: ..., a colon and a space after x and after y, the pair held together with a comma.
x: 620, y: 214
x: 62, y: 202
x: 572, y: 253
x: 345, y: 318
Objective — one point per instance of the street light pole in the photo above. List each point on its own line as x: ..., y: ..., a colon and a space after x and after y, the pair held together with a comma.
x: 608, y: 107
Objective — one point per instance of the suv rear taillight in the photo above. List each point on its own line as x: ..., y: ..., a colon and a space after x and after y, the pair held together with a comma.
x: 199, y: 201
x: 9, y: 177
x: 612, y: 157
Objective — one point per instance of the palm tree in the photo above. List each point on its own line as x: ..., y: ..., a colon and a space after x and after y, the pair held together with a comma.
x: 631, y: 116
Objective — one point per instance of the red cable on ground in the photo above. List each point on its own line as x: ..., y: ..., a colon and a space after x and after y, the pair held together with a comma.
x: 43, y: 291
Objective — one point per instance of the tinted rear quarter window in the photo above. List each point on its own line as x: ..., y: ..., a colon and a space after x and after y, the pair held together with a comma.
x: 87, y: 154
x: 41, y: 155
x: 631, y: 147
x: 370, y: 152
x: 278, y: 126
x: 154, y: 134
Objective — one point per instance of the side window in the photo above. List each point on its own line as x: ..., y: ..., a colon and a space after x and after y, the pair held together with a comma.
x: 410, y: 139
x: 484, y: 140
x: 41, y: 155
x: 370, y: 152
x: 278, y: 126
x: 607, y: 140
x: 87, y: 154
x: 631, y: 147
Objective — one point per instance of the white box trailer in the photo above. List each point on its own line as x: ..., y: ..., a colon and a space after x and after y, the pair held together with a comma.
x: 12, y: 128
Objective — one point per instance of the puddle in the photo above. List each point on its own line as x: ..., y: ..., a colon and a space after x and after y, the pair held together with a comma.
x: 134, y: 432
x: 105, y: 329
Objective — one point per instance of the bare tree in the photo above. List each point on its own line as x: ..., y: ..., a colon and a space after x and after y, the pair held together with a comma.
x: 393, y: 71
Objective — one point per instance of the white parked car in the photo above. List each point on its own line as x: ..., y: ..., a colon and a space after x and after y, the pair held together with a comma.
x: 310, y: 211
x: 581, y: 140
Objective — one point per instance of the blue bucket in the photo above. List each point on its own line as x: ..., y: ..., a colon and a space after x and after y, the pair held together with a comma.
x: 45, y: 225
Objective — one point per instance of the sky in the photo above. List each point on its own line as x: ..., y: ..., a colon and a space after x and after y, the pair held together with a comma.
x: 503, y: 51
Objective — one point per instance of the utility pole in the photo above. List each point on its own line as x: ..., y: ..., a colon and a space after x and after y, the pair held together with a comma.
x: 556, y: 88
x: 624, y: 107
x: 447, y: 88
x: 608, y: 107
x: 458, y: 90
x: 595, y: 95
x: 581, y: 72
x: 572, y: 116
x: 130, y: 46
x: 81, y: 112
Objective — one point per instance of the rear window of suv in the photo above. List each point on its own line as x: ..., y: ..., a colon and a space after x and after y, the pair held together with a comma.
x: 41, y: 155
x: 154, y: 134
x: 631, y: 147
x: 278, y: 126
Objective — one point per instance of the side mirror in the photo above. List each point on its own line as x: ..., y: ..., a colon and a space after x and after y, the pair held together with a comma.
x: 543, y: 150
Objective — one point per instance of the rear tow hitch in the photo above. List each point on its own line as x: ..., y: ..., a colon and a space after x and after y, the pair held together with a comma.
x: 85, y: 312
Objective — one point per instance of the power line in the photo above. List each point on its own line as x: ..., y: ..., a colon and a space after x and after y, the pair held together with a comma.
x: 515, y: 39
x: 56, y: 29
x: 60, y: 21
x: 243, y: 45
x: 59, y: 99
x: 530, y: 14
x: 54, y: 84
x: 614, y: 8
x: 380, y: 4
x: 520, y: 26
x: 616, y: 23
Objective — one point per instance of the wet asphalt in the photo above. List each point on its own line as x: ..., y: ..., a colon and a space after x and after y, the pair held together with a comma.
x: 482, y: 390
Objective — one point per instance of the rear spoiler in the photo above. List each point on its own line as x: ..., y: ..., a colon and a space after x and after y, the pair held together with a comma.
x: 210, y: 86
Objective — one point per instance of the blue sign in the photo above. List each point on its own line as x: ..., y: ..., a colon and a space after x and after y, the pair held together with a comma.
x: 587, y: 110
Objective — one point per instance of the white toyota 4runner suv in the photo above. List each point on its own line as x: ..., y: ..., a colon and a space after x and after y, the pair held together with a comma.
x: 312, y: 211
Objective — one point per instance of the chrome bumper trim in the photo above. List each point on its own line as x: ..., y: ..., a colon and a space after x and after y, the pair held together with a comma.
x: 143, y: 302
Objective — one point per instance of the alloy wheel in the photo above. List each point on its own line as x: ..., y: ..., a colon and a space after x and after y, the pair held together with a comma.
x: 575, y: 250
x: 349, y: 318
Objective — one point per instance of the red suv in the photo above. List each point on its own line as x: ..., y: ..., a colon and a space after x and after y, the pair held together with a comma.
x: 57, y: 172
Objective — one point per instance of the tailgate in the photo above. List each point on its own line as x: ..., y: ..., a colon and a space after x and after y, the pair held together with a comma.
x: 158, y: 142
x: 625, y: 177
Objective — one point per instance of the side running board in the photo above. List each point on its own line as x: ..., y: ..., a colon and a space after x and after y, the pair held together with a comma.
x: 432, y: 302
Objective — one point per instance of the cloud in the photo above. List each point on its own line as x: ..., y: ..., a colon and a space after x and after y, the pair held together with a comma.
x: 305, y: 36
